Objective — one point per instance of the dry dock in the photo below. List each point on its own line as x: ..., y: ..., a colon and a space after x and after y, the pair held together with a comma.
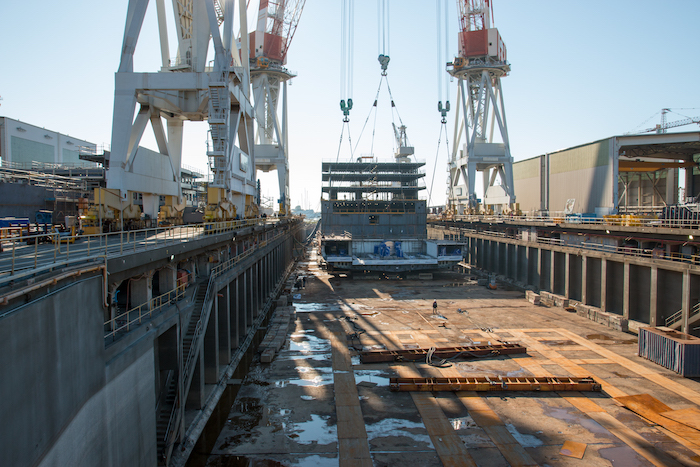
x: 317, y: 404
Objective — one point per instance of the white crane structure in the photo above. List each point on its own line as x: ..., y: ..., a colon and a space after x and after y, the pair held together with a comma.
x: 665, y: 125
x: 480, y: 111
x: 277, y: 22
x: 190, y: 87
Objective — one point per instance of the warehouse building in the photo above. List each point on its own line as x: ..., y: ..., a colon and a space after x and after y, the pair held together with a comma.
x: 631, y: 173
x: 24, y: 144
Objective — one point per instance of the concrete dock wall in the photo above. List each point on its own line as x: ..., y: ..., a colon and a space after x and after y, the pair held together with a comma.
x: 77, y: 392
x: 640, y: 289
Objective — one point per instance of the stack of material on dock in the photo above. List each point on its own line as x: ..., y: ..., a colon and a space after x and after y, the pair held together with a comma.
x: 551, y: 299
x: 532, y: 297
x: 671, y: 349
x: 277, y: 331
x: 610, y: 320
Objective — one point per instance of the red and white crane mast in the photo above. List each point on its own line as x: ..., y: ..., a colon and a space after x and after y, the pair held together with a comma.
x: 277, y: 23
x: 480, y: 111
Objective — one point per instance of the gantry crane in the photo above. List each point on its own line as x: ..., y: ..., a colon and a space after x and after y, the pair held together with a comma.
x: 479, y: 111
x: 189, y: 87
x: 277, y: 23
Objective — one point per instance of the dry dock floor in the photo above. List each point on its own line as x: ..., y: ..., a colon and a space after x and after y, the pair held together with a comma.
x: 317, y: 405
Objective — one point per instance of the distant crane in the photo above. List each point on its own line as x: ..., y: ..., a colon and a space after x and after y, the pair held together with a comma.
x: 479, y: 111
x: 664, y: 125
x: 277, y: 23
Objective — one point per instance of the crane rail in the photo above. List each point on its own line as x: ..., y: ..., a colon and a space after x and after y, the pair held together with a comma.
x: 470, y: 351
x: 483, y: 384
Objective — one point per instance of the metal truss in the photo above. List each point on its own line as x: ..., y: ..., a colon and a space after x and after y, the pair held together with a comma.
x: 187, y: 88
x: 480, y: 110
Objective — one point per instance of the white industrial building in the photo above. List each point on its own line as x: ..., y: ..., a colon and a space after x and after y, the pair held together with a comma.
x: 629, y: 173
x: 22, y: 144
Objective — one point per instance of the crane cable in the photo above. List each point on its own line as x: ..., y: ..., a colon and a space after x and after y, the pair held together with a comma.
x: 442, y: 42
x: 347, y: 27
x: 442, y: 26
x: 374, y: 107
x: 437, y: 154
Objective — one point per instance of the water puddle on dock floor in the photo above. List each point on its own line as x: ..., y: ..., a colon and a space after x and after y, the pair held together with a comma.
x: 317, y: 430
x: 397, y: 427
x: 313, y: 307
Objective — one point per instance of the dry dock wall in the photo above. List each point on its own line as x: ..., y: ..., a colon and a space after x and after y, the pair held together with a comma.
x: 640, y: 289
x: 57, y: 403
x: 73, y: 393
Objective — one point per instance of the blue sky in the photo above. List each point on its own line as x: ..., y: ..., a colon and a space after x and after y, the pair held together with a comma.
x: 581, y: 71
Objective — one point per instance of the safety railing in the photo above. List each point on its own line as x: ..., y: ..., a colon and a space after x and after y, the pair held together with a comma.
x: 22, y: 254
x: 216, y: 272
x: 136, y: 315
x: 693, y: 259
x: 622, y: 220
x: 124, y: 322
x: 677, y: 316
x: 171, y: 431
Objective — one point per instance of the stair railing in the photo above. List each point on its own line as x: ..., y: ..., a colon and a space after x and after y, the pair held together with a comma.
x: 677, y: 316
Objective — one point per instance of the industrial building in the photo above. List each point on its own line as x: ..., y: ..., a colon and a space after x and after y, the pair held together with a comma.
x: 23, y: 144
x: 629, y: 173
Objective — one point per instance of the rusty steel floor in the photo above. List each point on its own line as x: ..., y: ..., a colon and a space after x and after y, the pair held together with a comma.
x: 317, y: 405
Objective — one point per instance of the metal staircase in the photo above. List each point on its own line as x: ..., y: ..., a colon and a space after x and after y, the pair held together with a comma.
x: 219, y: 110
x: 168, y: 417
x: 676, y: 320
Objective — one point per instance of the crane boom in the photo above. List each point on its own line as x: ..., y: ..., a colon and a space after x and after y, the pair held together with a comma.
x: 277, y: 23
x: 660, y: 128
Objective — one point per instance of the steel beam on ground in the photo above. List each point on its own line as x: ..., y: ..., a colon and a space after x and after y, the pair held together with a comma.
x: 472, y: 351
x: 483, y: 384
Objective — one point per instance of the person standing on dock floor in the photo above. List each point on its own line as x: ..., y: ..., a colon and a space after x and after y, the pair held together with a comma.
x: 435, y: 307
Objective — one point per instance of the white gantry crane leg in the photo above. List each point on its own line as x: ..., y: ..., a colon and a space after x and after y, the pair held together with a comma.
x: 185, y: 89
x: 480, y: 111
x: 271, y: 138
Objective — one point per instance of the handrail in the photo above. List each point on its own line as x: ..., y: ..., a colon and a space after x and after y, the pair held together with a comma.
x: 216, y: 272
x: 677, y: 316
x: 113, y: 244
x: 614, y: 249
x: 625, y: 220
x: 175, y: 417
x: 145, y: 310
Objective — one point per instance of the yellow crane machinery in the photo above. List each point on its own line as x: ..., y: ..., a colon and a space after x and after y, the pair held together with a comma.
x: 219, y: 208
x: 108, y: 211
x: 171, y: 212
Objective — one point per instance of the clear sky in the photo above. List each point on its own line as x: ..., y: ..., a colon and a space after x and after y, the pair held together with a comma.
x: 581, y: 71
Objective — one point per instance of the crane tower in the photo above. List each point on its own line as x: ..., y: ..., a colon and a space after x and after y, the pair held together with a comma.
x: 480, y: 111
x: 277, y: 22
x: 188, y: 87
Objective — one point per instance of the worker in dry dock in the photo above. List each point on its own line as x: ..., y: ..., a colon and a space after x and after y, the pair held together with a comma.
x: 435, y: 307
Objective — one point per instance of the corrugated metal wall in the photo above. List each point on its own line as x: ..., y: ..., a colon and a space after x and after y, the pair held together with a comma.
x: 527, y: 180
x: 584, y: 173
x: 670, y: 349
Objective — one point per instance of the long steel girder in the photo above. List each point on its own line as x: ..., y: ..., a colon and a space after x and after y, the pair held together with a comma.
x: 483, y: 384
x: 181, y: 91
x: 480, y: 108
x: 410, y: 355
